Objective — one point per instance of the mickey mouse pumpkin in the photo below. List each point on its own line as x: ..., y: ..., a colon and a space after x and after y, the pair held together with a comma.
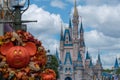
x: 18, y: 56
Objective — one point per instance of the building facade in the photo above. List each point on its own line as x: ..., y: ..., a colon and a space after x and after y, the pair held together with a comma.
x: 7, y: 17
x: 75, y: 62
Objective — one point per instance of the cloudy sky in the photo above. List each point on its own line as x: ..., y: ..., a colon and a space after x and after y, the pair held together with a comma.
x: 101, y: 21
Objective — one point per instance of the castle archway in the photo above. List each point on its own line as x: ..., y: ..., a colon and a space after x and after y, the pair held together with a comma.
x: 68, y: 78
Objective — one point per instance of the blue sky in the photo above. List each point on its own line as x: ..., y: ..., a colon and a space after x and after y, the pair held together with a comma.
x: 100, y: 21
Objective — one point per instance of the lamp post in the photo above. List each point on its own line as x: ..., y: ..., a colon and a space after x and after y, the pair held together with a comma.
x: 17, y: 8
x: 17, y: 11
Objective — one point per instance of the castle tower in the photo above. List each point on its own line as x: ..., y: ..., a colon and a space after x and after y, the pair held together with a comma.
x: 61, y: 43
x: 116, y: 65
x: 70, y: 27
x: 87, y: 60
x: 81, y: 42
x: 73, y: 65
x: 75, y: 32
x: 75, y: 22
x: 98, y: 68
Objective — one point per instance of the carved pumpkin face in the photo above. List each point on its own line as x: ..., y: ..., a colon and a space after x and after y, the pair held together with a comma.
x: 17, y: 57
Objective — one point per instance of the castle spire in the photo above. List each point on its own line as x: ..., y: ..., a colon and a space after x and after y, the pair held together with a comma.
x: 70, y: 25
x: 116, y: 66
x: 82, y: 43
x: 99, y: 60
x: 91, y: 64
x: 87, y: 56
x: 81, y: 27
x: 68, y: 58
x: 61, y: 35
x: 75, y: 9
x: 75, y: 22
x: 57, y: 54
x: 79, y: 57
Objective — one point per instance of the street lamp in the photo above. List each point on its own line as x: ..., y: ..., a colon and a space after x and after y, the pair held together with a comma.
x: 17, y: 8
x: 19, y: 3
x: 17, y: 11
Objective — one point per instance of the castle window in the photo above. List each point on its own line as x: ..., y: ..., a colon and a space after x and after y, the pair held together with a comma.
x: 66, y: 69
x: 67, y: 38
x: 66, y: 41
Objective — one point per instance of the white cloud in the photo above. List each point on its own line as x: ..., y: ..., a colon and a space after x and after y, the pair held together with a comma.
x: 103, y: 18
x: 58, y: 4
x: 47, y: 27
x: 101, y: 2
x: 107, y: 47
x: 96, y: 2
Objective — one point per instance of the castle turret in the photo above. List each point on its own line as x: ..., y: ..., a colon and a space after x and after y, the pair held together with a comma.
x: 61, y: 42
x: 78, y: 66
x: 99, y: 60
x: 57, y: 55
x: 75, y: 39
x: 87, y: 60
x: 70, y: 27
x: 79, y: 63
x: 82, y: 43
x: 68, y: 63
x: 116, y: 65
x: 67, y: 38
x: 75, y: 22
x: 98, y: 68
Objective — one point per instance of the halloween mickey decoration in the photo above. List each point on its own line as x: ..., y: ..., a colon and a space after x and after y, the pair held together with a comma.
x: 23, y: 57
x: 18, y: 56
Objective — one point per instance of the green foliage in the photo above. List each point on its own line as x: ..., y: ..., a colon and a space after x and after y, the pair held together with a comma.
x: 118, y: 71
x: 52, y: 63
x: 108, y: 70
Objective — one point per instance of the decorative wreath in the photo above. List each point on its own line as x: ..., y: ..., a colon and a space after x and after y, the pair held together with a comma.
x: 22, y: 57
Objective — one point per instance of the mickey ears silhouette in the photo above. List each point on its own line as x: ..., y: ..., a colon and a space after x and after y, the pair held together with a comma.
x: 30, y: 47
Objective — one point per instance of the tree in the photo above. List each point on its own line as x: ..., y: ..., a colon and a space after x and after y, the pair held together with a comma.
x: 108, y: 70
x: 118, y: 71
x: 52, y: 63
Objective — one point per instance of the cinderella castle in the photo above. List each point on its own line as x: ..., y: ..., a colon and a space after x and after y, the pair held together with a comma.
x: 75, y: 62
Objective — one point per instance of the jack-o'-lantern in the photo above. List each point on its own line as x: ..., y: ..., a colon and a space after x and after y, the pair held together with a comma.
x: 18, y: 56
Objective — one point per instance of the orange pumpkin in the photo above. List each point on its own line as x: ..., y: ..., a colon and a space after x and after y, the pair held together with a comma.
x: 48, y: 74
x: 48, y: 77
x: 17, y: 57
x: 5, y: 47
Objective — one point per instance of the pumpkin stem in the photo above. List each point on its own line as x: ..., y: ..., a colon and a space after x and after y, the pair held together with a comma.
x: 15, y: 35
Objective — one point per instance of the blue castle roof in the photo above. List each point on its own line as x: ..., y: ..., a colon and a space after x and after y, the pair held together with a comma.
x: 67, y: 32
x: 81, y: 28
x: 70, y: 25
x: 87, y: 55
x: 91, y: 64
x: 68, y: 58
x: 116, y: 66
x: 105, y: 74
x: 57, y: 55
x: 99, y: 60
x: 61, y: 35
x: 79, y: 57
